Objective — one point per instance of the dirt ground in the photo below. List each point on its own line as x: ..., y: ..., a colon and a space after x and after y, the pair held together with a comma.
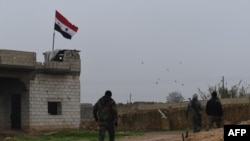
x: 211, y: 135
x: 214, y: 134
x: 156, y: 136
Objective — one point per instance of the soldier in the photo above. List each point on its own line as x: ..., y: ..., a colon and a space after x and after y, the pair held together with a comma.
x: 105, y: 112
x: 214, y: 111
x: 194, y: 110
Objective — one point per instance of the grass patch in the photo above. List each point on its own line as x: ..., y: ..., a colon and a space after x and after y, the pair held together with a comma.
x: 71, y: 135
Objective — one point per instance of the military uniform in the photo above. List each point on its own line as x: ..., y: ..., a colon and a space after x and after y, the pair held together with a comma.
x: 194, y: 110
x: 105, y: 112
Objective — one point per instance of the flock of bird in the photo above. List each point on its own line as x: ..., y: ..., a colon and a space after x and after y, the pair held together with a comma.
x: 158, y: 79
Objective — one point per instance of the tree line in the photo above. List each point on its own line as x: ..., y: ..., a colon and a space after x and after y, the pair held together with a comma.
x: 236, y: 91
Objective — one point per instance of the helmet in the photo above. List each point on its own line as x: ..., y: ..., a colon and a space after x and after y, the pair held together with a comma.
x: 195, y: 96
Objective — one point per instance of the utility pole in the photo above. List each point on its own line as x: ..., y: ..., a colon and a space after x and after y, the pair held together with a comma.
x: 222, y: 85
x: 130, y: 98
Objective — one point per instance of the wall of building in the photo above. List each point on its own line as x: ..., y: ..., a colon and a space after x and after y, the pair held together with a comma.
x: 18, y: 58
x: 48, y: 92
x: 54, y: 88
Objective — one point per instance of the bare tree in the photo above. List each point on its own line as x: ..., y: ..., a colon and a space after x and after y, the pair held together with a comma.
x: 174, y: 97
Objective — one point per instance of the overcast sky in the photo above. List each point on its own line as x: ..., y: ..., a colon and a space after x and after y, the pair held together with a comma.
x: 146, y: 48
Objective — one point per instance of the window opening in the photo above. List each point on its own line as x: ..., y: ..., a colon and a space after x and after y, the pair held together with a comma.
x: 54, y: 108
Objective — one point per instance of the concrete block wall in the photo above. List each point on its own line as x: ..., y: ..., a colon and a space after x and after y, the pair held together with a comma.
x: 54, y: 88
x: 39, y: 84
x: 20, y: 58
x: 71, y: 61
x: 73, y: 58
x: 56, y: 65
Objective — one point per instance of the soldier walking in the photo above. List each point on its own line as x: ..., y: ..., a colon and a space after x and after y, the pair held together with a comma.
x: 105, y: 113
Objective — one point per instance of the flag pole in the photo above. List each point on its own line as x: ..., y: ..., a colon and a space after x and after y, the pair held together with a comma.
x: 53, y: 41
x: 53, y: 36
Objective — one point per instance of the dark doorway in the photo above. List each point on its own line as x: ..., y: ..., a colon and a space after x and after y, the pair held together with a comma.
x: 15, y: 112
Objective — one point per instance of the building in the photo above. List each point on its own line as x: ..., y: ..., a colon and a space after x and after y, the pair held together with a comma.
x: 39, y: 96
x: 86, y: 111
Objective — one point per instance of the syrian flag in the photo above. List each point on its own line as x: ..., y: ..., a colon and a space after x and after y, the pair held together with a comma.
x: 63, y: 26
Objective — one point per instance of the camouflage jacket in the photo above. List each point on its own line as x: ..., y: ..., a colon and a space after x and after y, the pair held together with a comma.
x: 105, y: 109
x: 194, y: 108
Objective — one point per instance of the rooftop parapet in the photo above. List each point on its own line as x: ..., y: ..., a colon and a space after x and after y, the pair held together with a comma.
x: 62, y: 61
x: 58, y: 61
x: 17, y: 59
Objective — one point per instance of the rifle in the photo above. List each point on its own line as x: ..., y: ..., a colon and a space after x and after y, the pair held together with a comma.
x: 194, y: 107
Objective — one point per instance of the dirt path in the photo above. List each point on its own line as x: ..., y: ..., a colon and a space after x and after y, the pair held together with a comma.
x: 211, y: 135
x: 155, y: 136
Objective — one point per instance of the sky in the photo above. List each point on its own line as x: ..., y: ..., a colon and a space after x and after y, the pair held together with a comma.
x: 141, y: 50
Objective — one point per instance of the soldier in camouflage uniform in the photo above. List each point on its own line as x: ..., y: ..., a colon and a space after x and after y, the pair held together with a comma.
x: 194, y: 110
x: 105, y: 112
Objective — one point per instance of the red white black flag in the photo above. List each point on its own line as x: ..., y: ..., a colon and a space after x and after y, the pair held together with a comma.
x: 62, y: 25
